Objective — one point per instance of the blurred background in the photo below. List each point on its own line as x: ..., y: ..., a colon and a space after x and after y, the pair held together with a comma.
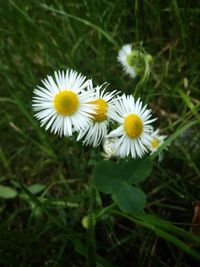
x: 42, y: 226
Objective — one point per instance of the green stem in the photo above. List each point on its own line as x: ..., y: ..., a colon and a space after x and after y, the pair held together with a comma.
x: 136, y: 23
x: 91, y: 247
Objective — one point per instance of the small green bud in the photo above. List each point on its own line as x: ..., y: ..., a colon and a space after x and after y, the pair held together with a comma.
x: 85, y: 222
x: 149, y: 58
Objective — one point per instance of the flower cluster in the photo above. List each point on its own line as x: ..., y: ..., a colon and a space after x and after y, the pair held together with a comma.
x: 68, y: 102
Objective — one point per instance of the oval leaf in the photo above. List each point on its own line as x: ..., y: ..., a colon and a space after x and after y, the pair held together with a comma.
x: 130, y: 199
x: 136, y: 170
x: 7, y: 192
x: 107, y: 176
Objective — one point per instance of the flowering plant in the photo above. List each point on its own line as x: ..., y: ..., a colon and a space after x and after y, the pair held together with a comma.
x: 69, y: 104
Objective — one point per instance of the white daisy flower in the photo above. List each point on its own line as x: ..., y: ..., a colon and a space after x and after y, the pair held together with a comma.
x: 156, y: 142
x: 94, y: 132
x: 122, y: 58
x: 134, y: 132
x: 62, y: 104
x: 133, y: 61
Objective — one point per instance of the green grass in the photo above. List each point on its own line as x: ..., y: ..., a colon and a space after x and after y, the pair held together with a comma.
x: 44, y: 228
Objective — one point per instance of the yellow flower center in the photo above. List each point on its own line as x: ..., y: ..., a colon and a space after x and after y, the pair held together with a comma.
x: 133, y: 126
x: 154, y: 143
x: 66, y: 103
x: 100, y: 111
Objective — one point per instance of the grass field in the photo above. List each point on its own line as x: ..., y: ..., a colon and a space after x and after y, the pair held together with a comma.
x: 41, y: 222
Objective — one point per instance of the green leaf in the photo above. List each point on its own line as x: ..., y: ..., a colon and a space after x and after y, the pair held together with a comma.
x: 107, y: 176
x: 162, y: 233
x: 136, y: 170
x: 7, y: 192
x: 36, y: 188
x: 169, y: 227
x: 86, y: 22
x: 130, y: 199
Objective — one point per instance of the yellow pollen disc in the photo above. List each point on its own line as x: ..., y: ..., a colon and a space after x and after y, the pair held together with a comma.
x: 66, y: 102
x: 133, y: 126
x: 100, y: 111
x: 154, y: 143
